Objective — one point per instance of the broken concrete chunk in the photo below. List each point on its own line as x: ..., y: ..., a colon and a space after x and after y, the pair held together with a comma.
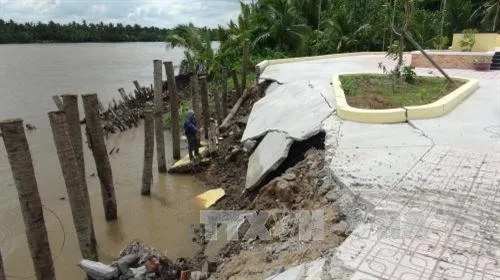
x: 249, y: 145
x: 296, y: 108
x: 268, y: 156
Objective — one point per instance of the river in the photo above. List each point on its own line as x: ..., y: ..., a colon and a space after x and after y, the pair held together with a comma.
x: 29, y: 76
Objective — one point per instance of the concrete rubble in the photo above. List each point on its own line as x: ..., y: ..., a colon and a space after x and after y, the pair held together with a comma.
x: 268, y: 156
x: 289, y: 112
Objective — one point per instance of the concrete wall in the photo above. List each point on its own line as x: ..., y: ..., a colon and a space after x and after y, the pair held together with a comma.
x: 446, y: 59
x: 485, y: 42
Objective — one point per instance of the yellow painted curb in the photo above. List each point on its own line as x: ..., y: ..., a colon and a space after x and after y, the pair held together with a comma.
x: 397, y: 115
x: 347, y: 112
x: 262, y: 65
x: 443, y: 105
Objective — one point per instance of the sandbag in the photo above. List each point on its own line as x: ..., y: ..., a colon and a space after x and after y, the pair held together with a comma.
x: 97, y: 270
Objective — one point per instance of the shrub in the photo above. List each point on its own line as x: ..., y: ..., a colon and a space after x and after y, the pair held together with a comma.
x: 469, y: 39
x: 409, y: 75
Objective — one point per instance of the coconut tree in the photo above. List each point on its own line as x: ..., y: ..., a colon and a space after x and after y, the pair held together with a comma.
x: 199, y: 53
x: 489, y: 12
x: 284, y: 26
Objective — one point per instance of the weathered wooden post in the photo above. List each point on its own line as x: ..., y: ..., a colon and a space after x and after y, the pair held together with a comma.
x: 174, y: 110
x: 158, y: 99
x: 75, y: 186
x: 2, y: 271
x: 21, y: 165
x: 224, y: 92
x: 195, y: 97
x: 57, y: 101
x: 239, y: 91
x: 217, y: 105
x: 204, y: 104
x: 244, y: 67
x: 70, y: 108
x: 98, y: 147
x: 149, y: 143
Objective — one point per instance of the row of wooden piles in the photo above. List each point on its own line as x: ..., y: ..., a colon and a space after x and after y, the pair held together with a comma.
x: 149, y: 103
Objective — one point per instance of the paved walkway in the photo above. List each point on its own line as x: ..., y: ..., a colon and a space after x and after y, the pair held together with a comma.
x: 432, y: 186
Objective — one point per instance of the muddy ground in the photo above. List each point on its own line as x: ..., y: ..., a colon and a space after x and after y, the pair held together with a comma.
x: 301, y: 183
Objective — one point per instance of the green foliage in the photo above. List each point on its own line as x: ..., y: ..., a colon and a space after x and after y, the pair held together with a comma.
x: 12, y: 32
x: 184, y: 107
x: 423, y: 90
x: 409, y: 74
x: 348, y: 86
x: 469, y: 39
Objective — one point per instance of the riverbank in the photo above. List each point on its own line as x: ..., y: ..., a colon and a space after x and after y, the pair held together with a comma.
x: 301, y: 184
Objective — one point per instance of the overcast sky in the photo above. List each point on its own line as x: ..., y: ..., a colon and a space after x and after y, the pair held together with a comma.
x: 160, y: 13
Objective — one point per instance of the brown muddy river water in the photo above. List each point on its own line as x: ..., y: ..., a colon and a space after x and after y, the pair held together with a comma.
x: 29, y: 76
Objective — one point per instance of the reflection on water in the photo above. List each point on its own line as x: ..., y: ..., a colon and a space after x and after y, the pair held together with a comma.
x: 163, y: 220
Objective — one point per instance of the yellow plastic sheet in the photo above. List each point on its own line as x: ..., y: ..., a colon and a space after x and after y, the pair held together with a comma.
x: 210, y: 197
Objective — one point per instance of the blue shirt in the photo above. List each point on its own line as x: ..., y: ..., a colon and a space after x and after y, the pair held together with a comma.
x: 190, y: 128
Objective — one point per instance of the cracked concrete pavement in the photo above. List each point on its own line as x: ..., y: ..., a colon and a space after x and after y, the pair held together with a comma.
x: 433, y: 185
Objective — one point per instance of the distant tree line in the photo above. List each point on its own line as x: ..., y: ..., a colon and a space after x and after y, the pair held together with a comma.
x: 14, y: 32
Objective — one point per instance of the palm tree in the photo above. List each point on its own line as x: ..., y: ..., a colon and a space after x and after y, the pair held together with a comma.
x: 490, y: 12
x: 345, y: 34
x: 199, y: 53
x: 284, y: 26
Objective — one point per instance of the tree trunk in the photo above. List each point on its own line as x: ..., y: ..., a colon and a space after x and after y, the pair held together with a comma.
x: 75, y: 186
x: 244, y: 68
x: 236, y: 107
x: 70, y: 108
x: 224, y: 92
x: 160, y: 138
x: 495, y: 19
x: 2, y: 271
x: 21, y: 164
x: 236, y: 84
x: 174, y: 110
x: 149, y: 143
x: 96, y: 140
x: 195, y: 96
x: 217, y: 105
x: 204, y: 105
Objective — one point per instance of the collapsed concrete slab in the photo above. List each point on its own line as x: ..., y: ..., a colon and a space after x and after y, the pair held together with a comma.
x: 268, y: 156
x: 296, y: 108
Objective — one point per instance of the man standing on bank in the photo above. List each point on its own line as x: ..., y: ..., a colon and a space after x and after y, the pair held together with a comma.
x: 191, y: 131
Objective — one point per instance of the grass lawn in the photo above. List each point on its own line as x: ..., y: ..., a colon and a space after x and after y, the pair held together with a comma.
x: 374, y: 91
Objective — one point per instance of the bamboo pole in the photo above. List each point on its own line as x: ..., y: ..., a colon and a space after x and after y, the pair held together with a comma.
x: 204, y: 104
x: 410, y: 38
x: 225, y: 124
x: 98, y: 147
x: 244, y: 70
x: 158, y: 99
x: 75, y: 186
x: 174, y: 110
x: 149, y: 143
x: 224, y: 92
x: 21, y: 164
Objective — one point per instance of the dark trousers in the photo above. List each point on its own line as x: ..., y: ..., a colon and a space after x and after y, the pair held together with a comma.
x: 192, y: 146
